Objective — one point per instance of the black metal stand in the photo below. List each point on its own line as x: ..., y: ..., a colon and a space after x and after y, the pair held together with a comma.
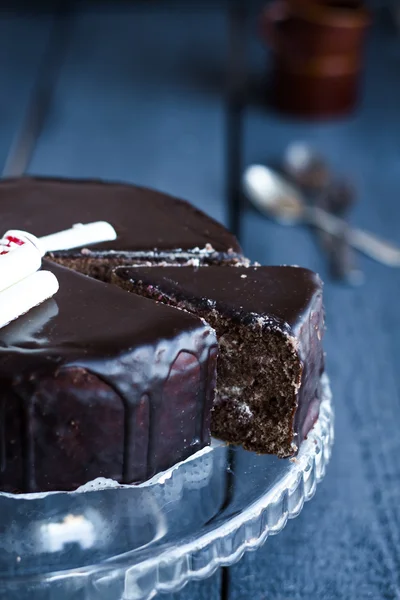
x: 235, y: 109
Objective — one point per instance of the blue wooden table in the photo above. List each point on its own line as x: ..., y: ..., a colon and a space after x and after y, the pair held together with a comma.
x: 139, y: 98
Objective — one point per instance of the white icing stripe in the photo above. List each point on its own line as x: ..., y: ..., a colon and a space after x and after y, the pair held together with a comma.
x: 26, y: 294
x: 79, y: 235
x: 18, y: 263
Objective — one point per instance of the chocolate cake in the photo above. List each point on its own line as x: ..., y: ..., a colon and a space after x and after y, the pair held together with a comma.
x: 151, y: 227
x: 97, y: 382
x: 269, y: 323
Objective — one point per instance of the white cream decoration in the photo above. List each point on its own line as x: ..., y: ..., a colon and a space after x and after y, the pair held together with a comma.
x: 22, y: 285
x: 19, y: 298
x: 17, y: 263
x: 79, y: 235
x: 14, y: 238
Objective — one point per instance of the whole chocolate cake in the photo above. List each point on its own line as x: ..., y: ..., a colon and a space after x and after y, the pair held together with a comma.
x: 269, y: 322
x: 100, y: 383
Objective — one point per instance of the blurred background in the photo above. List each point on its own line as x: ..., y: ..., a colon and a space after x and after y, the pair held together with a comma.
x: 165, y: 93
x: 183, y: 97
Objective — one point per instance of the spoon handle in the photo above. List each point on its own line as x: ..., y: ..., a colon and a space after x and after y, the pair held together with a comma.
x: 364, y: 241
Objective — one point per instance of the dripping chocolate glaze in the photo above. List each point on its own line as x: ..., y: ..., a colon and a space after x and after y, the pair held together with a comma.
x: 288, y: 299
x: 143, y: 219
x: 131, y: 344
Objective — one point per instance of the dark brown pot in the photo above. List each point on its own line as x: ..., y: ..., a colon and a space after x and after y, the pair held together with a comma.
x: 317, y: 55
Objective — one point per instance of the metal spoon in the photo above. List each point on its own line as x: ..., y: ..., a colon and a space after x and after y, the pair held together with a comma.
x: 306, y: 167
x: 276, y: 198
x: 308, y: 170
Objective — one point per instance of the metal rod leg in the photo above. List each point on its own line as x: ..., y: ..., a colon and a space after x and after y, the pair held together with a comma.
x: 235, y: 110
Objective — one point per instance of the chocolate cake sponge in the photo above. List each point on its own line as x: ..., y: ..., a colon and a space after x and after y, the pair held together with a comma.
x: 96, y: 382
x: 151, y: 227
x: 269, y: 322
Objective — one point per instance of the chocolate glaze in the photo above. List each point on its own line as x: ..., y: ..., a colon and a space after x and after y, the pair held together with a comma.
x: 98, y: 382
x: 288, y: 299
x: 144, y: 219
x: 284, y: 294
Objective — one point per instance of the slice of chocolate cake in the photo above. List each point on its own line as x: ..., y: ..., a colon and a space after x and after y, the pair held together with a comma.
x: 269, y: 322
x: 151, y: 227
x: 100, y: 383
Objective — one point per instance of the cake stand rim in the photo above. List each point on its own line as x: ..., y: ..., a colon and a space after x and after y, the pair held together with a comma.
x: 170, y: 570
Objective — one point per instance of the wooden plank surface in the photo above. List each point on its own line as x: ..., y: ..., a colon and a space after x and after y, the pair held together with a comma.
x: 136, y: 101
x: 139, y: 99
x: 345, y: 543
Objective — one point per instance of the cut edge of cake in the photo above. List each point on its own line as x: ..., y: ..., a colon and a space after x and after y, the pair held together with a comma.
x: 100, y: 265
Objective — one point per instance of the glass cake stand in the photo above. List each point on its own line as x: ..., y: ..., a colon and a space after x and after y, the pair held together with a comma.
x: 107, y: 541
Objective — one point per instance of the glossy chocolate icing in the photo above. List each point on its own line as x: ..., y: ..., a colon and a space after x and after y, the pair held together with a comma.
x: 144, y: 219
x: 284, y: 294
x: 285, y: 299
x: 98, y: 382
